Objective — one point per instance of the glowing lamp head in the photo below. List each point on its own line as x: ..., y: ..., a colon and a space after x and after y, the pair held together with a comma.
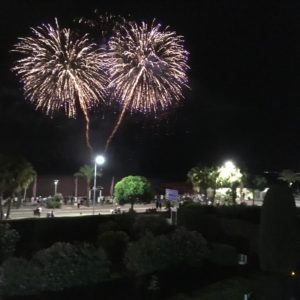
x: 293, y: 273
x: 229, y: 165
x: 100, y: 159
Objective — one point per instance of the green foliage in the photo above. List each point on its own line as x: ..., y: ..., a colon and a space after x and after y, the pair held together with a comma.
x: 64, y: 265
x: 180, y: 248
x: 289, y: 176
x: 86, y: 171
x: 229, y: 289
x: 224, y: 255
x: 115, y: 244
x: 15, y: 174
x: 40, y: 233
x: 203, y: 177
x: 279, y: 235
x: 154, y: 224
x: 55, y: 201
x: 8, y: 240
x: 247, y: 213
x: 195, y: 217
x: 19, y: 277
x: 132, y: 188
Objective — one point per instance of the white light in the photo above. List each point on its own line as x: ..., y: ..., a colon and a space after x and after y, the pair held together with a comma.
x: 100, y: 160
x: 229, y: 165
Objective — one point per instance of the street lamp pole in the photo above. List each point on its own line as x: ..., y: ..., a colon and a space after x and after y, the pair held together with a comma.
x: 99, y: 160
x: 55, y: 186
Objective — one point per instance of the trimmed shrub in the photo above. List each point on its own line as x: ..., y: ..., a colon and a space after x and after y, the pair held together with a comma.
x: 180, y: 248
x: 19, y: 277
x: 64, y: 265
x: 55, y: 201
x: 195, y: 218
x: 41, y: 233
x: 8, y: 240
x: 223, y: 255
x: 279, y: 234
x: 243, y: 212
x: 154, y: 224
x: 115, y: 244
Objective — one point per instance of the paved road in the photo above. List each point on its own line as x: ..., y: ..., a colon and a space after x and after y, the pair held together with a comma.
x: 71, y: 211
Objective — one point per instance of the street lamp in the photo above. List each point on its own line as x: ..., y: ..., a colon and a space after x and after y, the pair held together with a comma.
x: 55, y: 186
x: 99, y: 160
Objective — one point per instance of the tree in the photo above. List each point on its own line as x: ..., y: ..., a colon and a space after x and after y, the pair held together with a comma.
x: 202, y: 178
x: 289, y: 176
x: 195, y: 178
x: 87, y: 172
x: 132, y: 188
x: 29, y: 175
x: 230, y: 176
x: 255, y: 182
x: 16, y: 174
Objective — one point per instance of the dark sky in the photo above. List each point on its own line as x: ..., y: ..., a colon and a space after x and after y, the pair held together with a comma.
x: 243, y: 103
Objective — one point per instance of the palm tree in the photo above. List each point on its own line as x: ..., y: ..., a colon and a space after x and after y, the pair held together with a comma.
x: 202, y: 178
x: 28, y: 177
x: 87, y: 172
x: 289, y: 176
x: 194, y: 176
x: 16, y: 174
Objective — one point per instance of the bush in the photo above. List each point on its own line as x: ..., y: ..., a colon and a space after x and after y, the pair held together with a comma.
x: 180, y: 248
x: 8, y: 240
x: 154, y: 224
x: 125, y: 222
x: 37, y: 234
x: 64, y: 265
x: 115, y: 244
x: 224, y: 255
x: 242, y: 235
x: 195, y: 218
x: 246, y: 213
x: 19, y: 277
x: 55, y: 201
x: 229, y: 289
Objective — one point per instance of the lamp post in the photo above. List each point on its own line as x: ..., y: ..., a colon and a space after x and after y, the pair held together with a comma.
x: 76, y: 188
x: 99, y: 160
x: 55, y: 186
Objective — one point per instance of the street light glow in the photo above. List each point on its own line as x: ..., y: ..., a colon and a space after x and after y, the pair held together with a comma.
x: 100, y: 160
x: 55, y: 186
x: 229, y: 165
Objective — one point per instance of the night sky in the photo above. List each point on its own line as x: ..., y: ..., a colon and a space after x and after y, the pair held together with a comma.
x: 243, y: 103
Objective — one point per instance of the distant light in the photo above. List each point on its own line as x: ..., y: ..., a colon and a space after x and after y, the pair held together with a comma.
x: 100, y: 160
x: 293, y: 274
x: 229, y: 165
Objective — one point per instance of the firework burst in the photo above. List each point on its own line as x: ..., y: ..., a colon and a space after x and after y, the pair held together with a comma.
x: 147, y: 68
x: 60, y: 70
x: 101, y: 25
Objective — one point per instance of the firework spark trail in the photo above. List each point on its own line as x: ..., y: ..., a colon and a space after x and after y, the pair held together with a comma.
x: 147, y: 69
x: 120, y: 119
x: 59, y: 70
